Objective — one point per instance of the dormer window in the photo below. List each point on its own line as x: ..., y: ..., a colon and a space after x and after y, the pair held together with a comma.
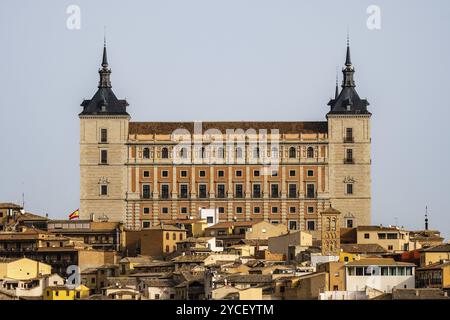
x: 349, y: 107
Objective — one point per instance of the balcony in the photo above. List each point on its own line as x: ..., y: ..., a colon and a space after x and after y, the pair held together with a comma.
x: 349, y: 140
x: 349, y: 161
x: 275, y: 195
x: 293, y: 195
x: 311, y: 195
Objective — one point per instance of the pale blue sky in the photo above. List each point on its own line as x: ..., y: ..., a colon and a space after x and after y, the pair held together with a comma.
x: 228, y: 60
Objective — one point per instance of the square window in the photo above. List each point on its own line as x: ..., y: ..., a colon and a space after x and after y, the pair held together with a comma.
x: 349, y: 223
x: 256, y: 173
x: 291, y: 173
x: 220, y: 173
x: 104, y: 190
x: 221, y: 210
x: 184, y: 210
x: 366, y: 236
x: 146, y: 224
x: 257, y: 210
x: 275, y: 173
x: 238, y: 209
x: 165, y: 210
x: 146, y: 210
x: 310, y: 209
x: 183, y: 173
x: 146, y: 174
x: 202, y: 173
x: 292, y: 225
x: 238, y: 173
x: 164, y: 173
x: 274, y: 209
x: 310, y: 173
x: 292, y: 210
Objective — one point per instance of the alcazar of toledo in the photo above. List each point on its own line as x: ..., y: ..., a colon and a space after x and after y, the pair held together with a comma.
x: 145, y: 173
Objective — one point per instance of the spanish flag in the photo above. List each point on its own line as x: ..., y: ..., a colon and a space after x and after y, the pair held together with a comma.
x: 75, y: 215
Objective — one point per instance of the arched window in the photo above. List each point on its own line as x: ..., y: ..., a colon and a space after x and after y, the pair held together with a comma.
x: 256, y: 152
x: 183, y: 153
x: 239, y: 153
x: 333, y: 224
x: 220, y: 153
x: 165, y: 153
x: 274, y: 152
x: 167, y: 236
x: 310, y: 152
x: 291, y: 152
x: 203, y: 152
x: 146, y: 153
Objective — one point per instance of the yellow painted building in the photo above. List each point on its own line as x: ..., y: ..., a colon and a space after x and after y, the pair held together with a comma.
x: 434, y: 254
x: 392, y: 239
x: 65, y: 293
x: 22, y: 268
x: 348, y: 257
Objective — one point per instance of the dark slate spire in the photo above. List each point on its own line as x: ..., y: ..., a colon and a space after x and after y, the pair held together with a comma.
x: 426, y: 218
x: 348, y: 100
x: 336, y: 93
x: 105, y: 56
x: 104, y: 101
x: 105, y: 71
x: 348, y: 71
x: 348, y: 60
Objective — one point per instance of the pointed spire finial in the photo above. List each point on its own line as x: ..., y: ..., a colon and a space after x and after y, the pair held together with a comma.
x: 348, y: 61
x: 336, y: 93
x: 426, y: 217
x: 105, y: 71
x: 105, y: 56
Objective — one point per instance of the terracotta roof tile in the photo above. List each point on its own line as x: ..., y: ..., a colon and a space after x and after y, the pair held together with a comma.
x: 282, y: 126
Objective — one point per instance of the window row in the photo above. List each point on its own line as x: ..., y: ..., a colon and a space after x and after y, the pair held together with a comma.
x: 219, y: 152
x: 202, y: 191
x: 221, y: 173
x: 237, y: 210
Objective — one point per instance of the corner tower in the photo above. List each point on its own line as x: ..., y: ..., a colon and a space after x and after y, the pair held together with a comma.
x: 103, y: 152
x: 349, y: 151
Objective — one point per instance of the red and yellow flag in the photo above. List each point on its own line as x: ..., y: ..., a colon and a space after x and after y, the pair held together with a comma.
x: 75, y: 215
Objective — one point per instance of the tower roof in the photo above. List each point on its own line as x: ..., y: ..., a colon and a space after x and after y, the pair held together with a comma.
x: 104, y: 101
x: 348, y: 100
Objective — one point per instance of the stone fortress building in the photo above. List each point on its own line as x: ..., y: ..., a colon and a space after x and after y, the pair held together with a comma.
x: 137, y: 172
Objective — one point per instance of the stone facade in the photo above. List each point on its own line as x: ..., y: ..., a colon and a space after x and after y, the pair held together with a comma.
x: 143, y: 182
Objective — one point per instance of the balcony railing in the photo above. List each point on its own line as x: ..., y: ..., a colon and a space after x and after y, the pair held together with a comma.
x: 349, y: 161
x: 311, y: 195
x: 275, y: 195
x: 349, y: 140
